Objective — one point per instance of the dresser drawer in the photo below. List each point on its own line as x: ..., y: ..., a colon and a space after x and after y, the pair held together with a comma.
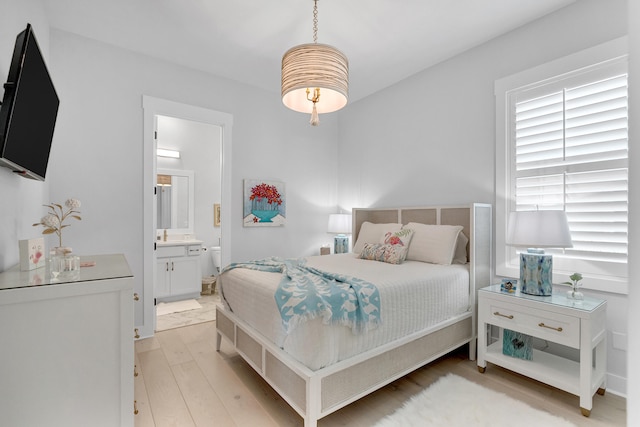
x: 170, y: 251
x: 194, y: 250
x: 543, y: 324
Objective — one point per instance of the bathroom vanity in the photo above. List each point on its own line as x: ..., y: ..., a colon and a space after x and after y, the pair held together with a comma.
x: 178, y: 274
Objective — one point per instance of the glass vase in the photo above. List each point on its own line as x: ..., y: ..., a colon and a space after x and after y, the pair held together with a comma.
x: 63, y: 264
x: 575, y: 294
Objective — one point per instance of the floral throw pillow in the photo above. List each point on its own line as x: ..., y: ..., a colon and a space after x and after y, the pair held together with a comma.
x: 392, y: 254
x: 400, y: 238
x: 393, y: 247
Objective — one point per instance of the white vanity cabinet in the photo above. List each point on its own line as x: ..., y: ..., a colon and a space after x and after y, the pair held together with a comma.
x: 178, y: 274
x: 66, y: 346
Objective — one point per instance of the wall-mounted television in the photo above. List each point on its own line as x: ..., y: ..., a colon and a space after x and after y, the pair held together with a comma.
x: 29, y: 110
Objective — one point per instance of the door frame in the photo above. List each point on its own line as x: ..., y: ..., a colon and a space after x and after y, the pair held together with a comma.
x: 153, y: 107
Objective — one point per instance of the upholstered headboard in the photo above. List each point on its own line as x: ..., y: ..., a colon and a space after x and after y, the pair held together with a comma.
x: 437, y: 215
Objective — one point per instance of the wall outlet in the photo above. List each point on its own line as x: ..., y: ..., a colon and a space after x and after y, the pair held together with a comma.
x: 619, y: 341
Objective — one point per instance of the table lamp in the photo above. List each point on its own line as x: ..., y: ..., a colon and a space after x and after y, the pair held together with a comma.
x: 536, y: 230
x: 340, y: 224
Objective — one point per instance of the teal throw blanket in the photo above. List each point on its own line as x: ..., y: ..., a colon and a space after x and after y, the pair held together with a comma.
x: 305, y: 293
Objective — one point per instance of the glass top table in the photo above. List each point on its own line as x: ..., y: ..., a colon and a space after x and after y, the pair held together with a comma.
x: 558, y: 298
x: 106, y: 267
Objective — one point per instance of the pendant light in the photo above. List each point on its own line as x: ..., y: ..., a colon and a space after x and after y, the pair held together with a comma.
x: 315, y: 77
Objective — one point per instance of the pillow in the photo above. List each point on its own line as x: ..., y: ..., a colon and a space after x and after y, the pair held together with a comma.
x: 433, y: 243
x: 371, y: 233
x: 460, y: 256
x: 400, y: 241
x: 401, y: 237
x: 392, y: 254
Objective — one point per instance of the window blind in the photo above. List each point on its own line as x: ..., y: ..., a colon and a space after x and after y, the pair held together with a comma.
x: 571, y: 146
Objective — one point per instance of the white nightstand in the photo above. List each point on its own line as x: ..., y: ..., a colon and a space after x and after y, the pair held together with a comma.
x: 555, y: 318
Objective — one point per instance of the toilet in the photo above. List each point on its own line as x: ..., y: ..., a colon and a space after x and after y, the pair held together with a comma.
x: 215, y: 255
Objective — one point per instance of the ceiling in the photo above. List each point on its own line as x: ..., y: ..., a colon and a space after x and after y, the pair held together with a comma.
x: 244, y: 40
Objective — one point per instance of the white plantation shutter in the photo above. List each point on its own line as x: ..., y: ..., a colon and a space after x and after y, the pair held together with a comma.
x: 569, y: 151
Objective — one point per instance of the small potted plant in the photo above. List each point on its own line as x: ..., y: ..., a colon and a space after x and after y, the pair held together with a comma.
x: 575, y: 284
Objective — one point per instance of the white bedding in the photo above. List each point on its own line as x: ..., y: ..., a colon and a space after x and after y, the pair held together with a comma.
x: 414, y: 295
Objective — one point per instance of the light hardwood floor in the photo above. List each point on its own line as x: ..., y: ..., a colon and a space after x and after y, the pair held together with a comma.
x: 183, y: 381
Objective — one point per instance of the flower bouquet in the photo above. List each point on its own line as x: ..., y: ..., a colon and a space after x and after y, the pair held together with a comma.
x: 265, y: 201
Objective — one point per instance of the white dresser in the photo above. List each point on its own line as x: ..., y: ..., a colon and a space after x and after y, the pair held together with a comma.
x: 66, y: 346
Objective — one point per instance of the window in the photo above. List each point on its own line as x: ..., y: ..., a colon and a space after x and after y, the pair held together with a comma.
x: 565, y: 147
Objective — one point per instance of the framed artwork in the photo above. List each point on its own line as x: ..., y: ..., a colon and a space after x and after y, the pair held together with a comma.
x: 216, y: 215
x: 264, y: 203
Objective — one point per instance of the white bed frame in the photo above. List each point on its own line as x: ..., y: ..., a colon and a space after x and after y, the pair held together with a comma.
x: 316, y: 394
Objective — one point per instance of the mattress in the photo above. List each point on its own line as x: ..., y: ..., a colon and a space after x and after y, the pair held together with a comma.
x: 413, y: 296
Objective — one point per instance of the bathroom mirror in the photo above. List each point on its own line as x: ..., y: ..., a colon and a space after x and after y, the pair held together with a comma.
x: 174, y: 192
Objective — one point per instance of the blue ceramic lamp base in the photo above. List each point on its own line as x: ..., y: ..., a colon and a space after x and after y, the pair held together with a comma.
x: 341, y: 244
x: 535, y: 273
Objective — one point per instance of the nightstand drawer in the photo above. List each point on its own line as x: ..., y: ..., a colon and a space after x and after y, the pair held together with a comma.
x: 543, y: 324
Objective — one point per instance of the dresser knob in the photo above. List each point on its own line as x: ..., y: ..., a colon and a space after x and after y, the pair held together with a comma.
x: 136, y: 297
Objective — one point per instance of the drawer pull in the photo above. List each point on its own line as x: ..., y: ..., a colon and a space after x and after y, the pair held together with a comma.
x: 542, y: 325
x: 135, y: 407
x: 497, y: 313
x: 136, y: 297
x: 137, y: 334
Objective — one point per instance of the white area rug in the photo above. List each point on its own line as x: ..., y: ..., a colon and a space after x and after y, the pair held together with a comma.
x: 206, y: 313
x: 164, y: 308
x: 453, y: 401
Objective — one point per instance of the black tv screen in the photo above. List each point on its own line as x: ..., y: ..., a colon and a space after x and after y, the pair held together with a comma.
x: 28, y: 111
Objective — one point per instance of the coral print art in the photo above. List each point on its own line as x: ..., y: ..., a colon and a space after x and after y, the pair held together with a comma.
x: 264, y: 203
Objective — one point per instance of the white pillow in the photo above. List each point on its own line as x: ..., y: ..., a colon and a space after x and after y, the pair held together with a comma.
x: 433, y: 243
x: 372, y: 233
x: 460, y: 256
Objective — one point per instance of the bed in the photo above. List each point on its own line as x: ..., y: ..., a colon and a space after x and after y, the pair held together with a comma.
x: 318, y: 372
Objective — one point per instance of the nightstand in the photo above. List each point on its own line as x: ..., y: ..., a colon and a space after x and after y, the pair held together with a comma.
x: 556, y: 318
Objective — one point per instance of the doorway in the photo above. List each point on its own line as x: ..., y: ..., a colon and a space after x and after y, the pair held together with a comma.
x: 156, y: 110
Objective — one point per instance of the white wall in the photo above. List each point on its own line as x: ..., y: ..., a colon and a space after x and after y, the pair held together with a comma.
x: 430, y: 139
x: 21, y: 199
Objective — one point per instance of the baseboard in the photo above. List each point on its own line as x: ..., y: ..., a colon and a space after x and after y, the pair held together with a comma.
x: 616, y: 385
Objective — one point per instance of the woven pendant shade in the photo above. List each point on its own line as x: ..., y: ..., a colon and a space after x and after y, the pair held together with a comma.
x: 310, y: 66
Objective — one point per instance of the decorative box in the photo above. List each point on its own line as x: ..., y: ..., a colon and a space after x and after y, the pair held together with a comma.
x: 32, y: 254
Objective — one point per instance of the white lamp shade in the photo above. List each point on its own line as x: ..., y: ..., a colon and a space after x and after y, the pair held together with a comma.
x: 310, y: 66
x: 339, y: 224
x: 539, y: 229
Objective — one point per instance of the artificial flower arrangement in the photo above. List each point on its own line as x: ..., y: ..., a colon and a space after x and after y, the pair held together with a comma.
x: 53, y: 222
